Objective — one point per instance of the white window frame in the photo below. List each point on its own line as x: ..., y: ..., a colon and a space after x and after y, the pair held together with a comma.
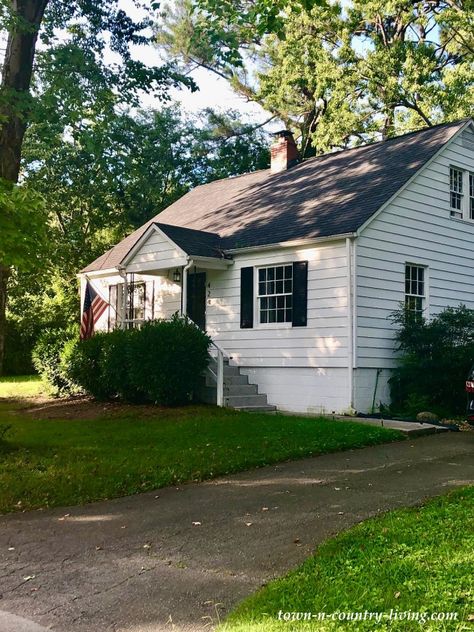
x: 466, y: 210
x: 424, y: 295
x: 125, y: 310
x: 276, y: 325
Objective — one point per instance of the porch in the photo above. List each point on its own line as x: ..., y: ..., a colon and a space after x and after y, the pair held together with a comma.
x: 161, y: 277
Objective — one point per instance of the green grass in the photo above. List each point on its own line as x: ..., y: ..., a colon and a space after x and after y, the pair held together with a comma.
x: 51, y: 462
x: 21, y: 386
x: 418, y: 559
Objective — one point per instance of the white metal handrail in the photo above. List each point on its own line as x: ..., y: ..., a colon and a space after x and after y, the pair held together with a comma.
x: 218, y: 353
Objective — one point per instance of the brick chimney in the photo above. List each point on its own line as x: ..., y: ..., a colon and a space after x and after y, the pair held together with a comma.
x: 284, y: 152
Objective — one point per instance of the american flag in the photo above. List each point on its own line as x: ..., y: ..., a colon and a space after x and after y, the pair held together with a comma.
x: 93, y: 308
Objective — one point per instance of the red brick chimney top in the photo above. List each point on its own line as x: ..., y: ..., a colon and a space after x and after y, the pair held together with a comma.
x: 284, y: 152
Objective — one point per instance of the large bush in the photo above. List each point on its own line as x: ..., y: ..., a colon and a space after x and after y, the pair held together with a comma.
x: 51, y: 355
x: 162, y: 363
x: 435, y: 358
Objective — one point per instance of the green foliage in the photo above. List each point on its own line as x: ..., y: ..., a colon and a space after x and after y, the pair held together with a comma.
x: 162, y: 362
x: 167, y: 360
x: 436, y: 356
x: 52, y: 357
x: 337, y: 74
x: 22, y: 226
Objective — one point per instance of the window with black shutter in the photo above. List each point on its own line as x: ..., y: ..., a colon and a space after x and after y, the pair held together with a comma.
x: 246, y: 298
x: 300, y: 294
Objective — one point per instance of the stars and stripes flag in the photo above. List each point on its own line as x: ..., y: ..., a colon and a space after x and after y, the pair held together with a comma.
x: 93, y: 308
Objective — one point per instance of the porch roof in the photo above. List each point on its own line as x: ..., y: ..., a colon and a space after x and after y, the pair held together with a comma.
x: 197, y: 243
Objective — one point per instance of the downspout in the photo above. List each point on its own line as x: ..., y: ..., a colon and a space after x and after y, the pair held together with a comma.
x: 350, y: 325
x: 122, y: 270
x: 184, y: 287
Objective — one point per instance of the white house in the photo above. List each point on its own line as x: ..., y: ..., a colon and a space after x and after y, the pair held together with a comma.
x: 295, y: 270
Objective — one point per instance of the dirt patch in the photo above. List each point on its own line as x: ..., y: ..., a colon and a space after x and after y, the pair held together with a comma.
x: 82, y: 408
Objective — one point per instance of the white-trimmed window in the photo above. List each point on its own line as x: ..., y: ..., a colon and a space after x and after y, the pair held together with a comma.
x: 456, y: 191
x: 133, y: 311
x: 275, y: 294
x: 415, y: 288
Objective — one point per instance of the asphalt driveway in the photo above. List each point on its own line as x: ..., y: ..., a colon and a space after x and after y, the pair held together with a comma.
x: 179, y: 558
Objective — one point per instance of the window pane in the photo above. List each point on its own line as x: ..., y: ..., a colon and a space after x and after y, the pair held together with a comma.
x: 288, y: 272
x: 279, y: 273
x: 262, y: 274
x: 279, y: 286
x: 261, y: 288
x: 270, y: 273
x: 270, y: 287
x: 272, y: 316
x: 263, y: 317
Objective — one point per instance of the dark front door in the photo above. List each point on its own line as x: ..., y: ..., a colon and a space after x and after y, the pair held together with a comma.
x: 196, y: 300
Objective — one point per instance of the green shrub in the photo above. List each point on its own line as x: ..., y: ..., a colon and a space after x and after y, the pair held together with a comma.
x: 167, y: 360
x: 435, y: 358
x: 115, y: 365
x: 83, y: 365
x: 49, y: 363
x: 162, y: 363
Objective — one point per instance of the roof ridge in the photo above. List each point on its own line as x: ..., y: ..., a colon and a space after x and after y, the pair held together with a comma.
x: 393, y: 138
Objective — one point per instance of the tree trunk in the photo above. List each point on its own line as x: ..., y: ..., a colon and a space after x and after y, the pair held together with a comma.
x: 14, y: 107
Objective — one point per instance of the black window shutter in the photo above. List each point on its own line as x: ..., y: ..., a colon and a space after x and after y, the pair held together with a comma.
x: 246, y: 298
x: 300, y: 293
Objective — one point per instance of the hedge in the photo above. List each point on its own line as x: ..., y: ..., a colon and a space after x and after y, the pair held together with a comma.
x: 162, y: 362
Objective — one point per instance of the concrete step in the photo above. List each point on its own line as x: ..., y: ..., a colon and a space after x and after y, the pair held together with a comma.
x: 237, y: 401
x: 233, y: 380
x: 229, y: 380
x: 268, y: 408
x: 233, y: 390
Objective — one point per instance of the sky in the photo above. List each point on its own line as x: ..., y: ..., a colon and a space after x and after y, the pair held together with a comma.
x: 213, y: 90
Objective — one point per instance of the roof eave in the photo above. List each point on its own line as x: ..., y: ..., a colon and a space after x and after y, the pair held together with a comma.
x: 291, y: 243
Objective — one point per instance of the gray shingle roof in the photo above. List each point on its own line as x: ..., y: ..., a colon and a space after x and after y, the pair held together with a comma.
x: 328, y: 195
x: 194, y: 242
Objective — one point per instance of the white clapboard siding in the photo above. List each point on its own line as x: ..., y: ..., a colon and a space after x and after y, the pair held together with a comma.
x: 415, y: 228
x: 322, y: 343
x: 156, y: 253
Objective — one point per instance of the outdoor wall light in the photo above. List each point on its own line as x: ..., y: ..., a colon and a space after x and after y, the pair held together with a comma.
x: 177, y: 276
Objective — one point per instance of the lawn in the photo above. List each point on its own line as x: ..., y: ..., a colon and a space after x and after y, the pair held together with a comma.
x: 111, y: 452
x: 22, y: 386
x: 409, y: 560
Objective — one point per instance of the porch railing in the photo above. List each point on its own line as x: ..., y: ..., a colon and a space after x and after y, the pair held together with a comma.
x: 218, y: 354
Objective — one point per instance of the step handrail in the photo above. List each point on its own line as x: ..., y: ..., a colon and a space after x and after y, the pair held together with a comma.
x: 218, y: 375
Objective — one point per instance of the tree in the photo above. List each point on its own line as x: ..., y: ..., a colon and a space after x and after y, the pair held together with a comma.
x: 101, y: 179
x: 335, y: 75
x: 90, y: 26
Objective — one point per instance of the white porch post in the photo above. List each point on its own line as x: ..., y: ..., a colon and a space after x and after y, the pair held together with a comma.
x: 123, y: 304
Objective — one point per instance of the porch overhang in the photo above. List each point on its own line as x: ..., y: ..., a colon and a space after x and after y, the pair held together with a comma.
x: 163, y: 248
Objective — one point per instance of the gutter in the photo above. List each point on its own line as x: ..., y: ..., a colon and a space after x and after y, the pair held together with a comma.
x: 184, y: 286
x: 291, y: 244
x: 350, y: 321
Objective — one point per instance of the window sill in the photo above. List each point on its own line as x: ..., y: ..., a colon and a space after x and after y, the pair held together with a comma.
x: 273, y: 325
x: 463, y: 220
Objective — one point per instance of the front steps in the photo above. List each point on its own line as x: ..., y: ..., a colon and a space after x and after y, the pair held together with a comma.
x: 238, y: 393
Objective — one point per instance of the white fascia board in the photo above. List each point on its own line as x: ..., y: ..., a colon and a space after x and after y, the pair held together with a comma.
x: 291, y: 244
x: 97, y: 273
x: 467, y: 124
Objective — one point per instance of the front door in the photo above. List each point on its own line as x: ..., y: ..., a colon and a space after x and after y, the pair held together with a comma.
x: 196, y: 299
